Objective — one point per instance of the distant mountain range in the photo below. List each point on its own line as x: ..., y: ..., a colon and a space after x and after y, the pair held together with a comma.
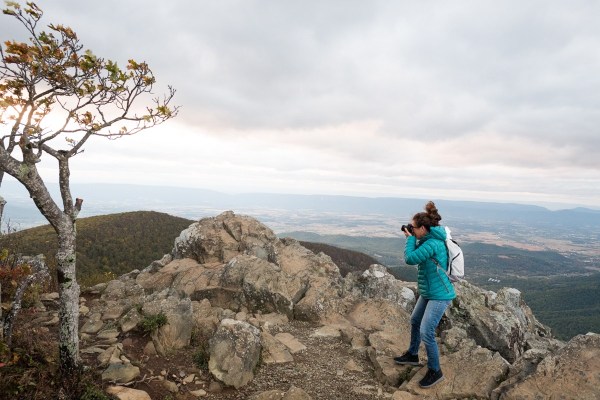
x: 100, y: 199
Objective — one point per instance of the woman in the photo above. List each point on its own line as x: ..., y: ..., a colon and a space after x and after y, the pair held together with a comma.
x: 425, y: 243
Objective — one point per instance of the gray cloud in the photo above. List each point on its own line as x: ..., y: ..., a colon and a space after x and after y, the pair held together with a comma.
x: 508, y: 84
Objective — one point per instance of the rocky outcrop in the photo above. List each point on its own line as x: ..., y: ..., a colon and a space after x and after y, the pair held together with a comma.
x: 471, y: 373
x: 232, y: 283
x: 377, y: 283
x: 219, y: 239
x: 573, y: 372
x: 498, y: 321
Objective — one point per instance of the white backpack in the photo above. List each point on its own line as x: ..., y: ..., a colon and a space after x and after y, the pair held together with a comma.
x: 456, y: 260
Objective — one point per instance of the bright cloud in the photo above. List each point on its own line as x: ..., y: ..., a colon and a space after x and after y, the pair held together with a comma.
x: 469, y: 100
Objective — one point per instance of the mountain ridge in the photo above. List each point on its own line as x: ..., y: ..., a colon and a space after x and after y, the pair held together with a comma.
x: 145, y: 236
x: 194, y: 203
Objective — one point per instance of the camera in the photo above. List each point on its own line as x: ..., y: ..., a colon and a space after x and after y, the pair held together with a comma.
x: 408, y: 228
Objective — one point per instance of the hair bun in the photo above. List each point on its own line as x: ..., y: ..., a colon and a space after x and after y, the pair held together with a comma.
x: 430, y: 207
x: 433, y: 213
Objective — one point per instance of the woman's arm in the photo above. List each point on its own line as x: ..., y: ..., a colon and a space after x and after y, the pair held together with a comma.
x: 414, y: 255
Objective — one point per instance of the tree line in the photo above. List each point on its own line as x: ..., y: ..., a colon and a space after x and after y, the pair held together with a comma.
x: 107, y: 245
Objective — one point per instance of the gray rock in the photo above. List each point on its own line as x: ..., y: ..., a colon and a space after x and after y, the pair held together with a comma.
x: 384, y: 346
x: 234, y: 352
x: 108, y: 334
x: 120, y: 373
x: 377, y: 283
x: 93, y: 324
x: 199, y: 393
x: 264, y: 287
x: 472, y: 373
x: 177, y: 333
x: 111, y: 355
x: 273, y: 351
x: 124, y: 288
x: 497, y: 321
x: 221, y: 238
x: 233, y: 267
x: 289, y: 341
x: 130, y: 320
x: 125, y: 393
x: 113, y: 310
x: 572, y: 372
x: 170, y: 386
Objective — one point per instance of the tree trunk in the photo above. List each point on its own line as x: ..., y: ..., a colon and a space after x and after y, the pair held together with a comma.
x: 63, y: 222
x: 69, y: 298
x: 2, y: 203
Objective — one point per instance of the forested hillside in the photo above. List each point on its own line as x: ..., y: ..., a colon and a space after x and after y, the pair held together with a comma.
x: 108, y: 244
x: 346, y: 260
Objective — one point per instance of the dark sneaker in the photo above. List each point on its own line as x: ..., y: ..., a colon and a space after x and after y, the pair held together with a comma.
x: 407, y: 359
x: 431, y: 378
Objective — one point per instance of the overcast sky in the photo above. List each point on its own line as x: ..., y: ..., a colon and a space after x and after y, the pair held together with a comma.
x: 476, y: 100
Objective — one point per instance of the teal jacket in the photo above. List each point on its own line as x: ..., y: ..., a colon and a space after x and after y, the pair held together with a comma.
x: 433, y: 282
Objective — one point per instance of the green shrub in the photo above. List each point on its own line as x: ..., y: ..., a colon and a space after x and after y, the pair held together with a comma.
x: 151, y: 323
x: 201, y: 358
x: 93, y: 393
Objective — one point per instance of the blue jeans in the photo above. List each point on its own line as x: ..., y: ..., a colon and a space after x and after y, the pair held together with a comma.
x: 424, y: 319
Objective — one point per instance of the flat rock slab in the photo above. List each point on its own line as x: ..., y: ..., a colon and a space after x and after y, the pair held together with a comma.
x: 289, y: 341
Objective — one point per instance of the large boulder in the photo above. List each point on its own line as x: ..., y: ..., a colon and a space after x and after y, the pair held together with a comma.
x: 177, y: 333
x: 570, y: 373
x: 377, y: 283
x: 498, y: 321
x: 379, y: 315
x: 384, y: 346
x: 470, y: 373
x: 223, y: 237
x: 318, y: 280
x: 234, y: 352
x: 235, y: 262
x: 263, y: 286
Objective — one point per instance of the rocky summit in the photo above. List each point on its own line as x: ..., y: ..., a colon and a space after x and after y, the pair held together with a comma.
x: 249, y: 315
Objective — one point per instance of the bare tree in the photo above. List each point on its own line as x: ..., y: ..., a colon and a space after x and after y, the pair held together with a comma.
x: 39, y: 274
x: 51, y: 89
